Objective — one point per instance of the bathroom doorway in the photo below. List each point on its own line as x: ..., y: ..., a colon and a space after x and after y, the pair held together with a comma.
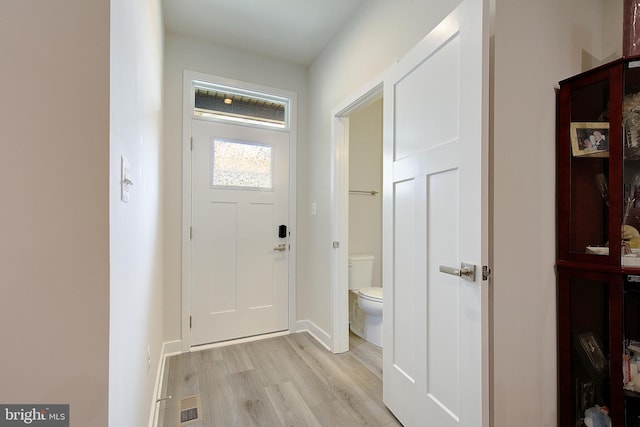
x: 357, y: 202
x: 365, y: 207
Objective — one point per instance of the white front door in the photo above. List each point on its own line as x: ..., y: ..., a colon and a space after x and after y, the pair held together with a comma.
x: 240, y: 254
x: 435, y: 178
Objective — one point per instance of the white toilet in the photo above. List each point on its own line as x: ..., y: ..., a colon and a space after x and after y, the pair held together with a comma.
x: 366, y: 320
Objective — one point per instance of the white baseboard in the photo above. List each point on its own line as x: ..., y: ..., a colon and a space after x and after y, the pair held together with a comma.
x: 239, y: 341
x: 169, y: 348
x: 321, y: 336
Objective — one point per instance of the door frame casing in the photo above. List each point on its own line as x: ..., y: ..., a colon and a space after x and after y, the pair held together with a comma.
x: 340, y: 208
x: 187, y: 107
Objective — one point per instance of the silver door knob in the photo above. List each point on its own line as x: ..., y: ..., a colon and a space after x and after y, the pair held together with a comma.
x: 466, y: 271
x: 281, y: 247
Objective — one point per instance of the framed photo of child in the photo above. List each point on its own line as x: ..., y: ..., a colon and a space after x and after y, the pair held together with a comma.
x: 590, y: 139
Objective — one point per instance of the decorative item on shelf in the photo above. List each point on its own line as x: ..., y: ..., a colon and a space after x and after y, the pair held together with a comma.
x: 597, y: 250
x: 630, y: 236
x: 630, y: 246
x: 603, y: 186
x: 634, y: 346
x: 597, y: 416
x: 589, y: 350
x: 629, y: 201
x: 631, y: 366
x: 631, y: 28
x: 634, y: 191
x: 631, y: 126
x: 633, y: 384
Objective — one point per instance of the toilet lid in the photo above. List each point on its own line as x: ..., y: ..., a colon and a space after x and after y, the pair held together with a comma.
x: 374, y: 294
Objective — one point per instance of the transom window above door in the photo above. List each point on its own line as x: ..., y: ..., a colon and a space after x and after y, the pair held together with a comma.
x: 237, y: 105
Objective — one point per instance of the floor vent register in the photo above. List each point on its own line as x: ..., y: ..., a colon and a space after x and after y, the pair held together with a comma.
x: 189, y: 410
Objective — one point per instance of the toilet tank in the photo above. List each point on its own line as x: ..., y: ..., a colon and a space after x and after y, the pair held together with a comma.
x: 360, y: 271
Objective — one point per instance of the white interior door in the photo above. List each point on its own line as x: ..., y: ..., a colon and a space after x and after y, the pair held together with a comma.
x: 435, y: 158
x: 239, y: 259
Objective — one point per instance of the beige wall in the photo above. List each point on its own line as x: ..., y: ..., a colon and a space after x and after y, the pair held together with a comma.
x: 365, y: 173
x: 524, y: 208
x: 54, y: 216
x: 136, y: 321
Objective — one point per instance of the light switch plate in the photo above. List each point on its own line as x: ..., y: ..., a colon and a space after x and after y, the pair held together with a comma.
x: 125, y: 179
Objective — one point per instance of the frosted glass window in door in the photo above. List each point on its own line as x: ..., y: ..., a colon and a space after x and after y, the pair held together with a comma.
x: 241, y: 164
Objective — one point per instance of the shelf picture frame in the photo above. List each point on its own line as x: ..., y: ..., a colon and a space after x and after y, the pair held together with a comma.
x: 590, y: 139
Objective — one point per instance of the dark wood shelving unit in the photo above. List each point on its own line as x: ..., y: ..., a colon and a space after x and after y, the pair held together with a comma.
x: 596, y: 196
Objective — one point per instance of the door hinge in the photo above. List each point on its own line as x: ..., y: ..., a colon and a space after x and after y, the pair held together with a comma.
x: 190, y: 233
x: 191, y: 144
x: 486, y: 272
x: 190, y: 322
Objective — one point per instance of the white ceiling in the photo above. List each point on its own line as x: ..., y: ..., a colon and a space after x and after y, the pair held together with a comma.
x: 291, y: 30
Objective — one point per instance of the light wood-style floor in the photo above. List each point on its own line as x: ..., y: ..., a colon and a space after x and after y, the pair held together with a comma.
x: 284, y: 381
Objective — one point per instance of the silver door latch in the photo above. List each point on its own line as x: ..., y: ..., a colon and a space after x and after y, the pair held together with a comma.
x: 466, y: 271
x: 281, y: 247
x: 486, y: 272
